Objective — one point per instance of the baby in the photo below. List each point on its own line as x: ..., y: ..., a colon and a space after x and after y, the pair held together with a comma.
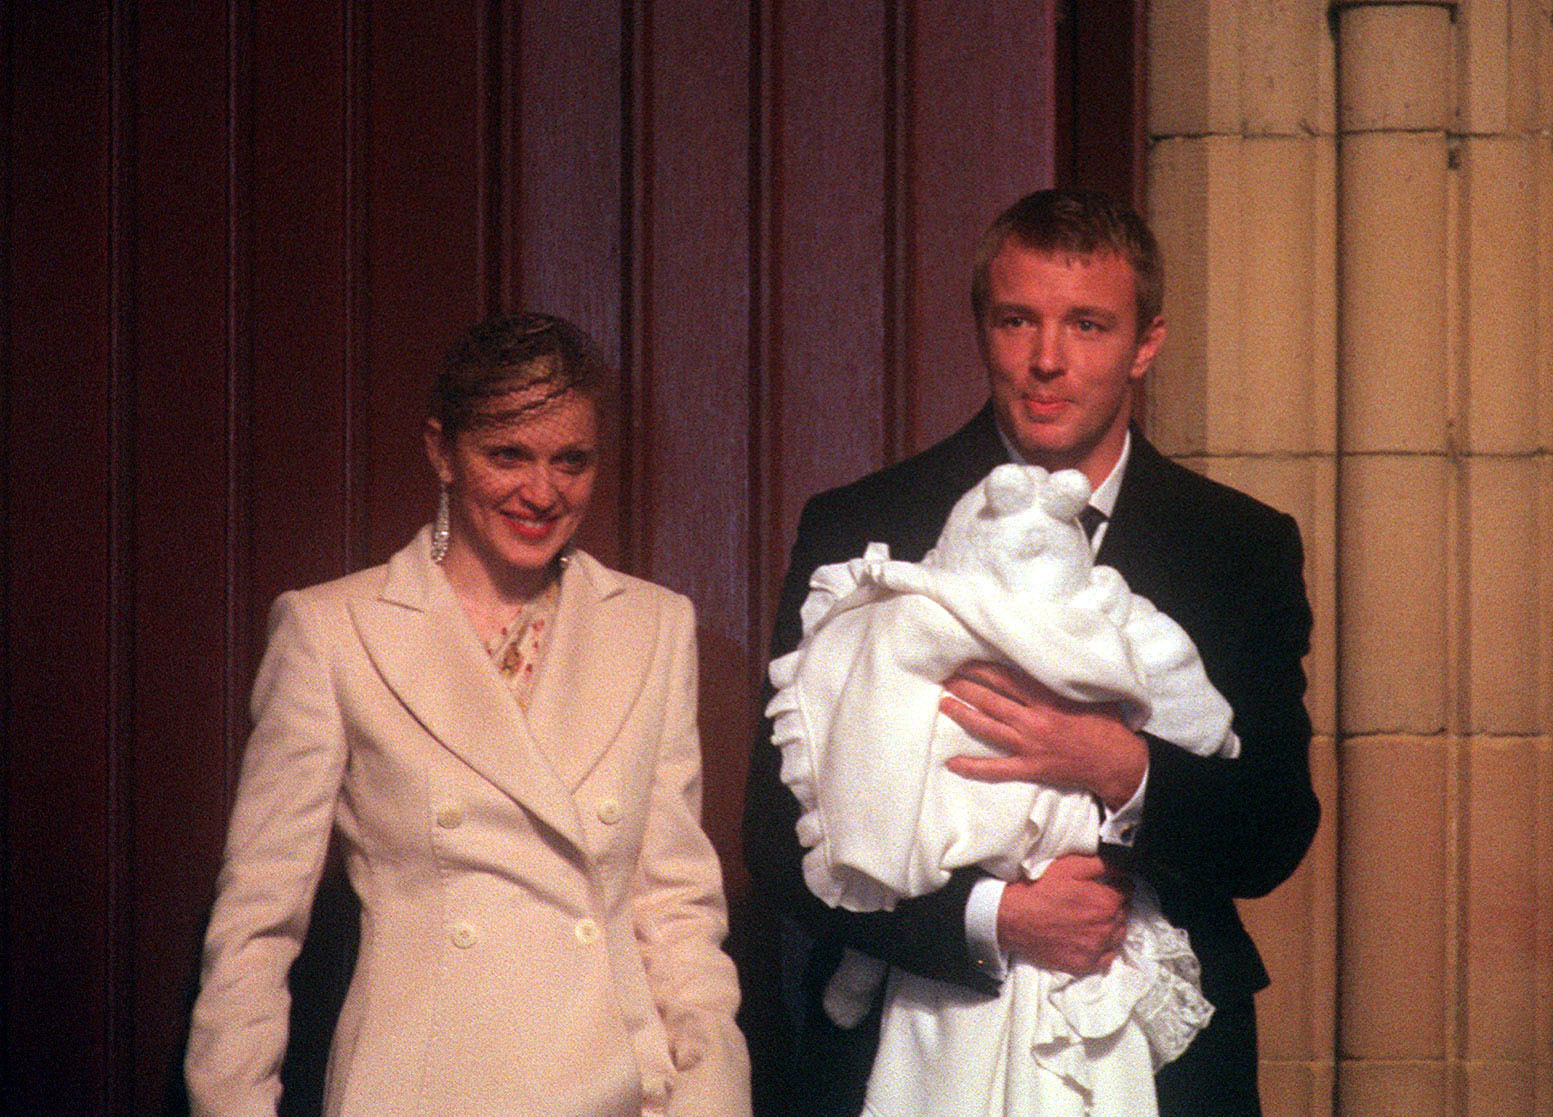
x: 1011, y: 579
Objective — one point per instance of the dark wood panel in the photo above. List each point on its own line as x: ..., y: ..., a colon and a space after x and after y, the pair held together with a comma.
x: 769, y: 223
x: 190, y: 453
x: 693, y: 365
x: 832, y: 258
x: 423, y: 133
x: 567, y: 225
x: 304, y: 273
x: 62, y: 888
x: 1107, y: 143
x: 981, y: 134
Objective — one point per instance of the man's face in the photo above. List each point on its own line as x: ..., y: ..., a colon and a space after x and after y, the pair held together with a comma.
x: 1061, y: 344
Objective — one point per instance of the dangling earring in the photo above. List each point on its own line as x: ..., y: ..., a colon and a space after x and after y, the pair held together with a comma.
x: 439, y: 528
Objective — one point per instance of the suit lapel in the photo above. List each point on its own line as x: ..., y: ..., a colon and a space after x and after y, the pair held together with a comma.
x: 592, y: 672
x: 426, y: 652
x: 975, y: 450
x: 1131, y: 539
x: 942, y: 476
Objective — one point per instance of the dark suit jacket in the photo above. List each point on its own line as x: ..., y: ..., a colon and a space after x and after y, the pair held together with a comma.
x: 1223, y: 566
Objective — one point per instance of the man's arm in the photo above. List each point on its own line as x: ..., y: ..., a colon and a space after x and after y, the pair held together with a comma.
x: 1052, y: 740
x: 1237, y: 827
x: 1243, y: 825
x: 1079, y: 907
x: 1071, y: 919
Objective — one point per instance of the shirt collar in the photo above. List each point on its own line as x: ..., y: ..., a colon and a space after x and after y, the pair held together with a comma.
x: 1104, y: 497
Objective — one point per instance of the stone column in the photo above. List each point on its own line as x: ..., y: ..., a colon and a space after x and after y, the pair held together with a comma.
x: 1502, y: 396
x: 1398, y: 759
x: 1442, y: 564
x: 1241, y: 192
x: 1356, y: 205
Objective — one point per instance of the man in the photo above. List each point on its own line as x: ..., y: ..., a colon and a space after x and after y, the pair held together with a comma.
x: 1067, y: 294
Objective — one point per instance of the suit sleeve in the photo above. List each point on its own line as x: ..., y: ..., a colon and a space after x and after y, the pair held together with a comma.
x: 1240, y: 827
x: 680, y: 913
x: 926, y: 934
x: 275, y: 850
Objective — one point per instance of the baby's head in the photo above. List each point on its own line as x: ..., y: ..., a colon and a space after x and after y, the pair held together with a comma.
x: 1019, y: 525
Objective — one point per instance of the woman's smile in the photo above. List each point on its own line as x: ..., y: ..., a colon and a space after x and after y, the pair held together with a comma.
x: 518, y: 487
x: 529, y: 527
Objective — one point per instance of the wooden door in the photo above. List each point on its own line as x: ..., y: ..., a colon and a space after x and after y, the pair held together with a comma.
x: 239, y: 234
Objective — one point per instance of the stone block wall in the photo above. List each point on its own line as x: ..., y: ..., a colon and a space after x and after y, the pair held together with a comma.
x: 1356, y: 207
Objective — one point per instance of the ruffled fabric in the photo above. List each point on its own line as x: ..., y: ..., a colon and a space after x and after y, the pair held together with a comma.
x: 1048, y: 1043
x: 863, y: 749
x: 863, y: 743
x: 1155, y: 985
x: 879, y: 821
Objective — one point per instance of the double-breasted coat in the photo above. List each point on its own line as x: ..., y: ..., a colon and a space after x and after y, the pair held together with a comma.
x: 541, y: 911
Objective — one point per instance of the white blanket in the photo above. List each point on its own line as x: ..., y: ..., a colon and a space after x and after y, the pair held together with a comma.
x: 1011, y: 579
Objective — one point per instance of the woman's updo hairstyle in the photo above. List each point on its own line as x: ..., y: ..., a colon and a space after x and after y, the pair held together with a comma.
x: 510, y: 352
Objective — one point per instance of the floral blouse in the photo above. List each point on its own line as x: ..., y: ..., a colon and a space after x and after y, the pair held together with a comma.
x: 517, y: 649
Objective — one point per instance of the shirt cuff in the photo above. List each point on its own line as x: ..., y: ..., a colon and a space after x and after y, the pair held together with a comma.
x: 981, y: 928
x: 1120, y: 827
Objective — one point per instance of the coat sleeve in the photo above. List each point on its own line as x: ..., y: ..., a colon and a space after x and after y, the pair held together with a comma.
x: 275, y: 850
x: 926, y: 934
x: 1240, y: 827
x: 680, y: 913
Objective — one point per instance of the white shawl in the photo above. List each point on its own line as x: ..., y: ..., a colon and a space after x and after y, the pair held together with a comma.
x: 863, y: 743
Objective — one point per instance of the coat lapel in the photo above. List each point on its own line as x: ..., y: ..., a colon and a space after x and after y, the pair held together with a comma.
x: 426, y: 652
x: 592, y: 672
x: 976, y: 449
x: 1129, y: 539
x: 942, y: 475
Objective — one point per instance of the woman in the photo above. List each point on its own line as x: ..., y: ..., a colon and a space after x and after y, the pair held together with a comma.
x: 502, y: 732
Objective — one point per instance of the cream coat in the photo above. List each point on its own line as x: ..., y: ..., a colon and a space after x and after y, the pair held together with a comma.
x: 541, y: 910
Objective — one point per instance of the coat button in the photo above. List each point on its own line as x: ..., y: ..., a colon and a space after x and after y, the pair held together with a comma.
x: 587, y: 931
x: 450, y: 816
x: 464, y: 934
x: 609, y: 811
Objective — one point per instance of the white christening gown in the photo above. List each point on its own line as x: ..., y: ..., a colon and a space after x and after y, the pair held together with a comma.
x: 863, y: 743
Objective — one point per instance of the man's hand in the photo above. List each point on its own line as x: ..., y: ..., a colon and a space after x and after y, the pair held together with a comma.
x: 1049, y: 739
x: 1072, y: 918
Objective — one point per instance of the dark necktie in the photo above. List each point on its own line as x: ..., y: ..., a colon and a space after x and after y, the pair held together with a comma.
x: 1090, y: 520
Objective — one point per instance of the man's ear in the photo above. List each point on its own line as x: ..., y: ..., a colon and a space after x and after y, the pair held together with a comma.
x: 1148, y: 347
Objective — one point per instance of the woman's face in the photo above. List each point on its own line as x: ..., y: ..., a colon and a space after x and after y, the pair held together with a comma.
x: 517, y: 490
